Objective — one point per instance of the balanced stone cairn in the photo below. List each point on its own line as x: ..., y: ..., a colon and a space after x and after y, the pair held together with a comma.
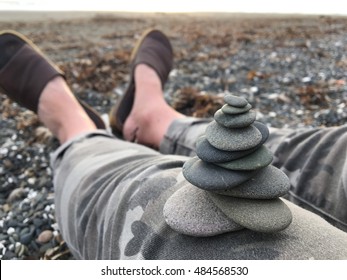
x: 231, y: 184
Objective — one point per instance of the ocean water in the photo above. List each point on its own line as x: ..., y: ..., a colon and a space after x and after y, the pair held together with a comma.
x: 326, y: 7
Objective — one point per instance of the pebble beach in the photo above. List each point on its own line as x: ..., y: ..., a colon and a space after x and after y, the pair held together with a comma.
x: 292, y: 69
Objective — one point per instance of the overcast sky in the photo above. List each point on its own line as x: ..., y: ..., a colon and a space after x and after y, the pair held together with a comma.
x: 260, y: 6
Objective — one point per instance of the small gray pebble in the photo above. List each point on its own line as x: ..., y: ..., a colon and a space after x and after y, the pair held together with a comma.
x: 232, y: 139
x: 268, y: 183
x: 227, y: 109
x: 235, y: 121
x: 15, y: 195
x: 260, y: 158
x: 26, y: 238
x: 207, y: 152
x: 208, y: 176
x: 235, y: 101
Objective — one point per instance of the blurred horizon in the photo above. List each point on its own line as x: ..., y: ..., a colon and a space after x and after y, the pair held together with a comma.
x: 331, y: 7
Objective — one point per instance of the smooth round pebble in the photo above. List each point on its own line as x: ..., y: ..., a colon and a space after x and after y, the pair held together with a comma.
x: 269, y: 215
x: 232, y: 139
x: 235, y: 121
x: 235, y: 101
x: 227, y: 109
x: 207, y: 152
x: 45, y: 236
x: 264, y: 130
x: 16, y: 194
x: 208, y: 176
x: 260, y: 158
x: 190, y: 211
x: 26, y: 238
x: 268, y: 183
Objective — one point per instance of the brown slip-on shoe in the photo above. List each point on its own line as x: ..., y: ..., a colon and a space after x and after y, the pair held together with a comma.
x: 25, y: 71
x: 153, y: 49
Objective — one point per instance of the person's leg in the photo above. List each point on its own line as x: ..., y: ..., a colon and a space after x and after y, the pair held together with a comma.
x: 315, y: 160
x: 61, y: 113
x: 152, y: 122
x: 28, y: 77
x: 150, y: 116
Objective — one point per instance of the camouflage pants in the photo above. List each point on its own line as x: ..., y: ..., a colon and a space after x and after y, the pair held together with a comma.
x: 110, y: 195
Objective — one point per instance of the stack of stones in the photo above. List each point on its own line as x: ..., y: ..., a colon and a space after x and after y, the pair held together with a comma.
x: 231, y: 184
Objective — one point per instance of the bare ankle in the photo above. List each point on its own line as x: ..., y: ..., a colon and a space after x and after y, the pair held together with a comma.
x: 59, y: 110
x: 150, y: 116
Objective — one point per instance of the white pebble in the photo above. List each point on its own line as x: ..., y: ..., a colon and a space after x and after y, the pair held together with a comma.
x: 49, y: 171
x: 55, y: 226
x: 32, y: 194
x: 286, y: 80
x: 4, y: 151
x: 174, y: 73
x: 11, y: 230
x: 273, y: 96
x: 31, y: 181
x: 254, y: 89
x: 9, y: 216
x: 306, y: 79
x: 273, y: 54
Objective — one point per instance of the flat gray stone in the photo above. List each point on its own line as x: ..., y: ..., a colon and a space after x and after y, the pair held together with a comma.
x: 190, y: 211
x: 260, y: 158
x: 268, y: 183
x: 235, y: 101
x: 235, y: 121
x: 208, y: 176
x: 227, y: 109
x: 232, y: 139
x: 207, y: 152
x: 270, y: 215
x: 263, y: 130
